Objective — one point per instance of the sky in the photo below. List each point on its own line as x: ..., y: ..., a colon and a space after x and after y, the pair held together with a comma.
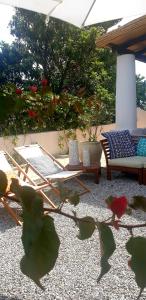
x: 6, y: 13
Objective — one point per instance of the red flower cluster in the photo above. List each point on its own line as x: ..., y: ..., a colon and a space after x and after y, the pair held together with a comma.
x: 44, y: 82
x: 32, y: 113
x: 18, y: 91
x: 33, y: 88
x: 118, y: 206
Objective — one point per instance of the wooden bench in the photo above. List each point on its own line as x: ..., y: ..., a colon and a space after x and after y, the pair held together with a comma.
x: 140, y: 171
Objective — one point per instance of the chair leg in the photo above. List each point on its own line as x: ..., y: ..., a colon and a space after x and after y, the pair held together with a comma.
x: 140, y: 176
x: 144, y: 176
x: 109, y: 174
x: 47, y: 199
x: 86, y: 189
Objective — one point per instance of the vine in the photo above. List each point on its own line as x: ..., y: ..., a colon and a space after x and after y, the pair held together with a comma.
x: 41, y: 242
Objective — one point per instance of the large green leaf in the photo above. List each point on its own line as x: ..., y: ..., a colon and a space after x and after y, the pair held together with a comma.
x: 108, y: 246
x: 39, y: 238
x: 136, y: 246
x: 86, y: 226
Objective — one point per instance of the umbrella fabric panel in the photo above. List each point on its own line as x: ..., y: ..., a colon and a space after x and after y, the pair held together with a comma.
x: 40, y: 6
x: 83, y: 12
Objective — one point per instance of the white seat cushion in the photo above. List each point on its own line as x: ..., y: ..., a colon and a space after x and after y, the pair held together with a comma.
x: 132, y: 162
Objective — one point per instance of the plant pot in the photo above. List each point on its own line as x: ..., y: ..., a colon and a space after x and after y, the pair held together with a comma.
x: 94, y: 149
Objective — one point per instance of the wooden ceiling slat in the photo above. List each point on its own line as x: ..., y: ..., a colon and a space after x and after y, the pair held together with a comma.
x: 131, y: 30
x: 130, y: 38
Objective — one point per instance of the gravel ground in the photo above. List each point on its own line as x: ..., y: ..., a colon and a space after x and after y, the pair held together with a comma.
x: 78, y: 265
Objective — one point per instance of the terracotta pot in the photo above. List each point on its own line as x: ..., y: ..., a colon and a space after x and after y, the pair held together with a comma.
x: 94, y: 149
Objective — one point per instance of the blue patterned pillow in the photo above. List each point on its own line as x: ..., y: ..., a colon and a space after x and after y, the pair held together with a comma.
x: 121, y: 144
x: 141, y: 147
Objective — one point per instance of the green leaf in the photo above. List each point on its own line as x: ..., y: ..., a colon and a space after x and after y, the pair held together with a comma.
x: 86, y: 226
x: 136, y: 246
x: 108, y: 246
x: 74, y: 199
x: 109, y: 200
x: 39, y: 238
x: 139, y: 202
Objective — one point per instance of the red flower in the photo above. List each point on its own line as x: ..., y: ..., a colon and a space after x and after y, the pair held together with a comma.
x: 33, y: 88
x: 118, y: 206
x: 44, y: 82
x: 32, y: 113
x: 18, y: 91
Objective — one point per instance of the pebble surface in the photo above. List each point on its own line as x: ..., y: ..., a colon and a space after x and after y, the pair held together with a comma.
x: 78, y: 265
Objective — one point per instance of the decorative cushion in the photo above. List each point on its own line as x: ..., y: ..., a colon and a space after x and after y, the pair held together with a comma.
x: 141, y: 147
x: 120, y: 143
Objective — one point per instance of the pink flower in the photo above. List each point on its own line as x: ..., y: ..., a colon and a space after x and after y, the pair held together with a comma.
x: 32, y: 113
x: 44, y: 82
x: 18, y: 91
x: 118, y: 206
x: 33, y: 88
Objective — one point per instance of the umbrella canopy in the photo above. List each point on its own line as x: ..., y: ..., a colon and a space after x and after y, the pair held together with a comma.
x: 83, y: 12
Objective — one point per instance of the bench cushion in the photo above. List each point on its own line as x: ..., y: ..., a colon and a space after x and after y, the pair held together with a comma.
x: 131, y: 162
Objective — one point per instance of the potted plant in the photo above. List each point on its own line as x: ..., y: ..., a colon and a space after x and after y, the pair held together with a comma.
x: 63, y: 140
x: 90, y: 121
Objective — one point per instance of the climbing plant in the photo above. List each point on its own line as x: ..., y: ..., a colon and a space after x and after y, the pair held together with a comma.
x: 41, y: 242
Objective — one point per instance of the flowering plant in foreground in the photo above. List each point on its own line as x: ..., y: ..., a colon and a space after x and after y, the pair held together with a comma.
x: 41, y: 242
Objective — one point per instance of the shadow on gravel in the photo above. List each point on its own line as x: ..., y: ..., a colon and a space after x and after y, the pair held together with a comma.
x: 2, y: 297
x: 6, y: 222
x: 121, y: 184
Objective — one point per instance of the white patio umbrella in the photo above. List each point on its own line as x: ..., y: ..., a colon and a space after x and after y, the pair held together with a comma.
x: 83, y: 12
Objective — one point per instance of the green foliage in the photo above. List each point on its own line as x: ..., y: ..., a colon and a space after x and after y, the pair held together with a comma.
x: 39, y: 238
x: 75, y: 69
x: 17, y: 65
x: 139, y: 202
x: 136, y: 246
x: 141, y: 92
x: 65, y: 55
x: 107, y: 245
x: 86, y: 227
x: 41, y: 110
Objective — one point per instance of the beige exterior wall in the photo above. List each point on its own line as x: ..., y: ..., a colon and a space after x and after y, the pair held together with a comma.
x: 49, y: 140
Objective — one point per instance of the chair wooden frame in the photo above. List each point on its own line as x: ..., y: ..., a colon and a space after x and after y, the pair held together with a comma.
x: 73, y: 174
x: 18, y: 171
x: 109, y: 168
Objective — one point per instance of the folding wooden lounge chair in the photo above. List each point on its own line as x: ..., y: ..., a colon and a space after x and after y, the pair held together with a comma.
x: 48, y: 169
x: 12, y: 169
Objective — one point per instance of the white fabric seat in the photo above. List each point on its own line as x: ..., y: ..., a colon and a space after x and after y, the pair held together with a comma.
x: 46, y: 167
x: 132, y: 162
